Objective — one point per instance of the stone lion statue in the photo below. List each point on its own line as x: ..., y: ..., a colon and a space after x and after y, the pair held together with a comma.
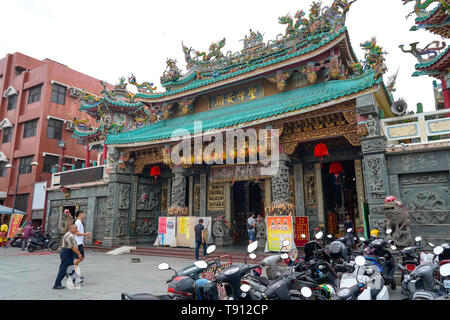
x: 397, y: 219
x: 220, y: 229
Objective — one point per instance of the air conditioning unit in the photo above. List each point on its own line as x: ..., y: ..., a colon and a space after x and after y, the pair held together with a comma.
x: 70, y: 125
x: 74, y: 92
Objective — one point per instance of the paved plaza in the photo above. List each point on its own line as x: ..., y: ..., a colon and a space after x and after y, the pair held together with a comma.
x: 26, y: 276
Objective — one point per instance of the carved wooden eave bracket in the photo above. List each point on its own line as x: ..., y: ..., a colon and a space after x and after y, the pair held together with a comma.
x: 280, y: 78
x: 148, y: 157
x: 329, y: 122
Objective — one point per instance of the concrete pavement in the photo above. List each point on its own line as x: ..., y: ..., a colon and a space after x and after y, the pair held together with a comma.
x: 25, y: 276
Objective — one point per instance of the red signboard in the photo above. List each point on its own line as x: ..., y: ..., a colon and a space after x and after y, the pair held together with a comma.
x: 332, y: 223
x: 162, y: 225
x: 301, y: 226
x: 14, y: 225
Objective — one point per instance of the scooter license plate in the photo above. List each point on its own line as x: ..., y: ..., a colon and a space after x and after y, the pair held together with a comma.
x: 447, y: 284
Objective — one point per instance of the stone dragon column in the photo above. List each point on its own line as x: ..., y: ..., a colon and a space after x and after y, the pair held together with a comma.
x: 280, y: 181
x: 178, y: 193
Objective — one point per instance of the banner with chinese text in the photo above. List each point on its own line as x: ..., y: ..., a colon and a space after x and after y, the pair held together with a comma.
x: 301, y: 227
x: 14, y: 224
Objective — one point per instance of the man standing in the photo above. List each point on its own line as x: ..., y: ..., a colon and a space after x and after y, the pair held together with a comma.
x: 27, y: 233
x: 251, y: 228
x: 68, y: 252
x: 199, y: 230
x: 79, y: 236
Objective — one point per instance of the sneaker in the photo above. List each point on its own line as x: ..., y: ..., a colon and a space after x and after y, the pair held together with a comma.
x: 58, y: 287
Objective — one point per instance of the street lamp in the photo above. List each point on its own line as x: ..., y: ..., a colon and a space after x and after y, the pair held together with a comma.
x: 33, y: 164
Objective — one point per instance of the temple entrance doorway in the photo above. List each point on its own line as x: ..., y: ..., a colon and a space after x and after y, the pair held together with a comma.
x: 340, y: 197
x: 246, y: 197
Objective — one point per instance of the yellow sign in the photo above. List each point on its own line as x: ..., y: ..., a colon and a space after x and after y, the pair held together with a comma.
x: 279, y: 229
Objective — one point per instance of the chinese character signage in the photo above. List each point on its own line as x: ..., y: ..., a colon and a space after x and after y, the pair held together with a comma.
x: 14, y: 224
x: 236, y: 96
x: 279, y: 229
x: 301, y: 227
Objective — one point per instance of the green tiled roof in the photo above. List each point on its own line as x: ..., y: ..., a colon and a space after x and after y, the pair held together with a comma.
x: 327, y: 38
x: 425, y: 73
x: 430, y: 63
x: 428, y: 15
x: 249, y: 111
x: 84, y: 134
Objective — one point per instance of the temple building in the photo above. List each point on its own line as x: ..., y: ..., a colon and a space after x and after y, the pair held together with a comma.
x: 304, y: 101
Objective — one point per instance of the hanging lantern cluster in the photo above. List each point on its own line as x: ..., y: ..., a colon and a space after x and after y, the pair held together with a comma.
x: 320, y: 151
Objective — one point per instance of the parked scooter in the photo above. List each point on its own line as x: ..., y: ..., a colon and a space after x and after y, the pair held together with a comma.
x: 270, y: 263
x: 38, y: 241
x: 424, y: 282
x: 183, y: 285
x: 364, y: 283
x: 380, y: 256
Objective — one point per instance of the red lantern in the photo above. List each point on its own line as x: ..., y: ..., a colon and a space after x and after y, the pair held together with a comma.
x: 155, y: 172
x: 320, y: 151
x: 336, y: 168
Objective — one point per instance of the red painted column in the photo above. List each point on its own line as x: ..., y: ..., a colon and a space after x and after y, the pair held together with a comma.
x: 446, y: 94
x: 88, y: 154
x: 105, y: 152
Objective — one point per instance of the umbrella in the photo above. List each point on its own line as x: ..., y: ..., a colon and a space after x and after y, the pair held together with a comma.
x: 8, y: 210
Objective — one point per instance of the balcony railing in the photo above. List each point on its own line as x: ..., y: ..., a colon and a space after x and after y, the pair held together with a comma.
x: 79, y: 176
x: 418, y: 128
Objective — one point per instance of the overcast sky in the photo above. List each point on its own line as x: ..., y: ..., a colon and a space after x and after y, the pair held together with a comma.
x: 114, y: 38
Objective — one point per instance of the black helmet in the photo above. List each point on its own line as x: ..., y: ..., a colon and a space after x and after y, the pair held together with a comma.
x: 337, y: 250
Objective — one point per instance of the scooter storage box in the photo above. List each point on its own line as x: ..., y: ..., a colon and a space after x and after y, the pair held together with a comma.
x: 182, y: 288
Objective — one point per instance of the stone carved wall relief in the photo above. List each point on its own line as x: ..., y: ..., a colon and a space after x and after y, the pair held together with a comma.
x: 147, y: 227
x: 280, y: 185
x: 148, y: 198
x: 377, y: 188
x: 310, y: 190
x: 124, y: 196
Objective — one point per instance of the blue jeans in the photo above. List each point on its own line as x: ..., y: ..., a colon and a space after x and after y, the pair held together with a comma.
x: 197, y: 249
x: 252, y: 235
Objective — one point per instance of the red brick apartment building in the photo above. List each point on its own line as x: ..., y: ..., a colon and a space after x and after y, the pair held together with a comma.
x: 37, y: 102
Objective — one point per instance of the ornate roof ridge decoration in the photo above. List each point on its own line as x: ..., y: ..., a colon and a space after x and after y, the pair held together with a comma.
x: 261, y: 63
x: 253, y: 111
x: 301, y: 32
x: 101, y: 108
x: 434, y: 57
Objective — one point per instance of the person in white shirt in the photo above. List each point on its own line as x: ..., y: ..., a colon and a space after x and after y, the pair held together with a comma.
x: 79, y: 237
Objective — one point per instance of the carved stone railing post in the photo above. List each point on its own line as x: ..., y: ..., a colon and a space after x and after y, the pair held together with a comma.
x: 373, y: 148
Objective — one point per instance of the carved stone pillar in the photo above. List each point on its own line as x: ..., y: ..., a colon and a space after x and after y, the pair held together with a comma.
x: 178, y: 195
x: 203, y: 193
x: 373, y: 147
x: 299, y: 193
x: 280, y: 181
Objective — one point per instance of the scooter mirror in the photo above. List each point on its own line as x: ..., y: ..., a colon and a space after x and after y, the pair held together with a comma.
x: 164, y: 266
x: 430, y: 244
x: 245, y: 288
x: 349, y: 230
x: 438, y: 250
x: 329, y: 236
x: 211, y: 249
x: 252, y: 256
x: 252, y: 247
x: 306, y: 292
x: 444, y: 270
x: 388, y: 231
x: 393, y: 247
x: 362, y: 239
x: 284, y: 256
x: 418, y: 239
x: 319, y: 235
x: 360, y: 261
x: 286, y: 243
x: 201, y: 264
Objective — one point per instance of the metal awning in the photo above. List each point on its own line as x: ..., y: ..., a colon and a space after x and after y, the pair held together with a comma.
x: 8, y: 210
